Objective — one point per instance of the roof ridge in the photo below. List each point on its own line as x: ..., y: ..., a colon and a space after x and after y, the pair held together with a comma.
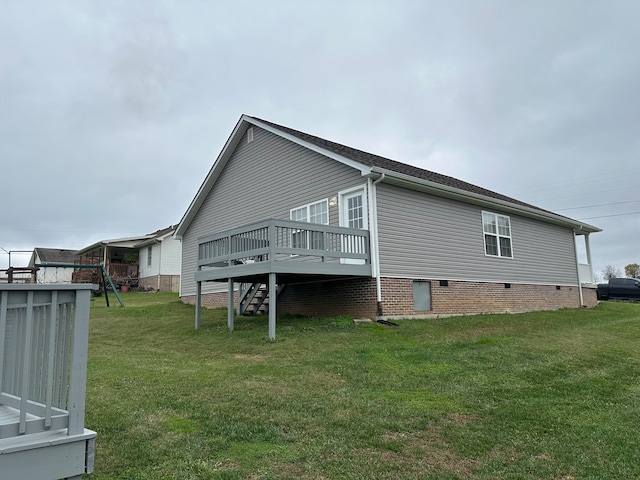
x: 374, y: 160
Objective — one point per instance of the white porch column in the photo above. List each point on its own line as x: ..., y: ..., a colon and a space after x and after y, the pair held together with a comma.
x: 230, y: 307
x: 198, y: 303
x: 273, y: 295
x: 587, y: 246
x: 575, y: 247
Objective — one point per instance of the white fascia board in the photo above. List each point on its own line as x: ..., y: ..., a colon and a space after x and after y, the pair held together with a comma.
x: 212, y: 176
x: 440, y: 190
x: 364, y: 169
x: 159, y: 239
x: 128, y: 242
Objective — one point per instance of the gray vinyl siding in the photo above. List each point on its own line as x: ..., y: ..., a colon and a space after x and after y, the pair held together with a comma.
x: 425, y: 236
x: 263, y: 179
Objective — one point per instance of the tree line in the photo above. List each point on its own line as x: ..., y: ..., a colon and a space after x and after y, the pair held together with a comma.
x: 632, y: 271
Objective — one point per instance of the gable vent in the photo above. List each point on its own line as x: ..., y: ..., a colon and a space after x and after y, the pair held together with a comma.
x: 250, y: 135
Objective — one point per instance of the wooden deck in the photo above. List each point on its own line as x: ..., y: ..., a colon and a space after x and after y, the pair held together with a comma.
x: 283, y: 247
x: 43, y: 358
x: 276, y: 252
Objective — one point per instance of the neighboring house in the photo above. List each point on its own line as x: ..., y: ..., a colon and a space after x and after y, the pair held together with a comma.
x: 335, y: 230
x: 159, y: 259
x: 148, y: 261
x: 118, y: 256
x: 55, y: 256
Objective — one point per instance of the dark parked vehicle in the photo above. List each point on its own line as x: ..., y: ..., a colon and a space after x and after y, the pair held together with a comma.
x: 623, y: 288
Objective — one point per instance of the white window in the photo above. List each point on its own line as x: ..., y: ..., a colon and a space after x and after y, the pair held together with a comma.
x: 149, y: 256
x: 497, y: 235
x: 317, y: 212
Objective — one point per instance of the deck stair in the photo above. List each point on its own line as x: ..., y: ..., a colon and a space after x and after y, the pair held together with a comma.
x: 254, y: 298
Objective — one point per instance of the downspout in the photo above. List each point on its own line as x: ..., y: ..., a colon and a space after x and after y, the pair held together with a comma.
x: 575, y: 249
x: 375, y: 250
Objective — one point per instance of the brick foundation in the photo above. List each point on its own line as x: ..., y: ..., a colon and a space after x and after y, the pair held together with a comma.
x: 357, y: 297
x: 457, y: 298
x: 210, y: 300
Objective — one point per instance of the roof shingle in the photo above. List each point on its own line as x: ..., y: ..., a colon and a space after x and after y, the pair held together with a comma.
x: 373, y: 160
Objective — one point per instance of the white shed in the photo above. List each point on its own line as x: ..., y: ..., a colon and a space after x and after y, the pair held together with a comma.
x: 53, y: 255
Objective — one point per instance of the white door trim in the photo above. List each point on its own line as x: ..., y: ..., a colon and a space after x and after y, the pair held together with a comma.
x: 344, y: 194
x: 343, y: 197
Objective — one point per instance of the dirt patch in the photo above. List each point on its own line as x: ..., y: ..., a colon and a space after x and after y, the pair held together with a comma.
x: 249, y: 357
x: 462, y: 419
x: 433, y: 451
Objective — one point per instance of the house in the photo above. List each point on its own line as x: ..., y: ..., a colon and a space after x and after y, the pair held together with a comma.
x: 328, y: 229
x: 159, y: 260
x: 151, y: 261
x: 118, y: 256
x: 54, y: 256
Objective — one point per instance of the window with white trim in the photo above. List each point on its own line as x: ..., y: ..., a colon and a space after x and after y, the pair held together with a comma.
x: 497, y: 235
x: 317, y: 212
x: 149, y: 255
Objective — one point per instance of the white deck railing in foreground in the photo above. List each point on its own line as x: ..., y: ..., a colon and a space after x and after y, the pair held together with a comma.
x: 43, y: 368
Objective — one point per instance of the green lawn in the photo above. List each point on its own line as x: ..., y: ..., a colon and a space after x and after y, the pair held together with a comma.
x: 548, y: 395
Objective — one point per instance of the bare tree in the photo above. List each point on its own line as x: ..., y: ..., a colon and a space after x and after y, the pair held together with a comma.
x: 632, y: 270
x: 610, y: 272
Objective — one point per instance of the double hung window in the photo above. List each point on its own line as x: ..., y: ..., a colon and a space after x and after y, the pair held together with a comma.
x: 497, y: 235
x: 317, y: 212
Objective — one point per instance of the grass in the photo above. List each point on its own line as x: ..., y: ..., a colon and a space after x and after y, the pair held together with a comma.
x: 547, y: 395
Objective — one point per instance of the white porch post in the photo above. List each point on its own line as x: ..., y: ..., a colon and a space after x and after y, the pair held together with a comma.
x: 273, y: 295
x: 230, y: 307
x: 575, y: 247
x: 587, y: 246
x: 198, y: 303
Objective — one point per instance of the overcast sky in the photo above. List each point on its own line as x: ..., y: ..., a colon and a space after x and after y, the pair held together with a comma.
x: 112, y: 112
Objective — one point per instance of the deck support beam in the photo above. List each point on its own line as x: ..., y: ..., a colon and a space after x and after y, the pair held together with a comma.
x: 273, y: 295
x: 198, y: 303
x: 231, y: 306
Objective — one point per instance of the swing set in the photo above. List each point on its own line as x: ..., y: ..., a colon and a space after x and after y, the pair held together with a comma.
x: 104, y: 275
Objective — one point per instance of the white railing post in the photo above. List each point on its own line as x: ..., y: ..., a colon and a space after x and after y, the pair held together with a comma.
x: 25, y: 366
x: 3, y: 330
x: 78, y: 378
x: 49, y: 357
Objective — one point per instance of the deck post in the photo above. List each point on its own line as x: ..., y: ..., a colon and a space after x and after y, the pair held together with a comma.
x: 198, y: 303
x: 231, y: 307
x: 273, y: 295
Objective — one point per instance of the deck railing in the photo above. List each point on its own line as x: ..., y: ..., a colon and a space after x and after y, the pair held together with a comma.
x: 286, y: 240
x: 584, y: 273
x: 43, y: 358
x: 123, y: 271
